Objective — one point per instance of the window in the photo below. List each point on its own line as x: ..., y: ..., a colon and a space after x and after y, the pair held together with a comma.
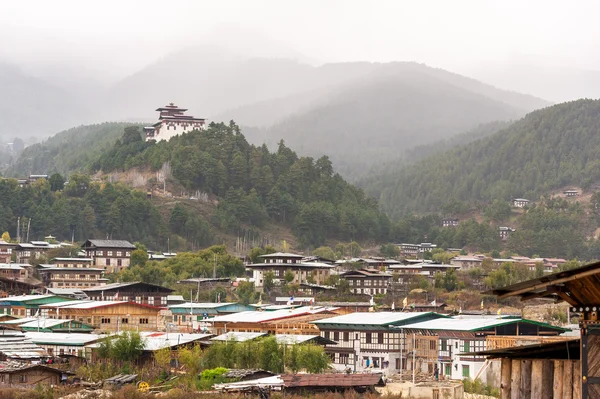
x: 344, y: 358
x: 119, y: 253
x: 143, y: 321
x: 346, y: 336
x: 119, y: 262
x: 432, y: 345
x: 444, y: 345
x: 105, y: 320
x: 127, y: 254
x: 326, y: 334
x: 447, y: 369
x: 467, y: 346
x: 109, y: 253
x: 380, y: 338
x: 107, y: 262
x: 124, y: 320
x: 368, y: 338
x: 23, y: 378
x: 336, y: 336
x: 466, y: 372
x: 150, y: 300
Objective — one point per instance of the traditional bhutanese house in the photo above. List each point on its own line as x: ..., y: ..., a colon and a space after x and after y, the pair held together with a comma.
x: 197, y: 316
x: 296, y: 320
x: 580, y: 288
x: 449, y: 340
x: 56, y: 326
x: 29, y: 252
x: 59, y: 344
x: 466, y: 262
x: 138, y: 292
x: 6, y: 249
x: 109, y: 315
x: 279, y: 263
x: 172, y: 122
x: 110, y: 255
x: 55, y: 276
x: 27, y: 305
x: 543, y: 370
x: 20, y: 375
x: 368, y: 340
x: 367, y: 281
x: 17, y: 279
x: 73, y: 293
x: 316, y: 289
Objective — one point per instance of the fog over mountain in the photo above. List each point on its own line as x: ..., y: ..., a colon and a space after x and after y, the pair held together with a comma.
x: 292, y: 69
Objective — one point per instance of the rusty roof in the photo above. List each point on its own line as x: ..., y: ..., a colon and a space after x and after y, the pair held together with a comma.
x: 331, y: 380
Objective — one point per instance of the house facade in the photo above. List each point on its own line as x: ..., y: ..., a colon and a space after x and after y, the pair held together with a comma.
x: 30, y: 252
x: 110, y: 255
x: 172, y: 121
x: 367, y: 281
x: 71, y: 273
x: 280, y: 263
x: 368, y: 341
x: 6, y: 250
x: 450, y: 222
x: 520, y: 202
x: 138, y: 292
x: 505, y: 232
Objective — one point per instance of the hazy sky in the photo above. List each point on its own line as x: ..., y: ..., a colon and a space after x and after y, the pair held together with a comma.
x: 121, y: 36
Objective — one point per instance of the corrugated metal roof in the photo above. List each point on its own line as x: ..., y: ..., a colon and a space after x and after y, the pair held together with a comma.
x: 23, y: 298
x: 374, y: 318
x: 113, y: 286
x: 259, y: 316
x: 238, y: 336
x: 44, y: 323
x: 472, y: 324
x: 66, y: 339
x: 154, y: 341
x: 206, y: 305
x: 20, y: 347
x: 111, y: 244
x: 22, y: 320
x: 293, y: 339
x: 282, y: 255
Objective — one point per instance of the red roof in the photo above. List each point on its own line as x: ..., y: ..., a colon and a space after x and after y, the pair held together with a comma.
x: 330, y: 380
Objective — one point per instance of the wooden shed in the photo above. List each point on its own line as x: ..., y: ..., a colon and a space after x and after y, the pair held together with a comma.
x: 580, y: 288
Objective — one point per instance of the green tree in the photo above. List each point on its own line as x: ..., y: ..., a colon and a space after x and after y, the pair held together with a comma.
x: 246, y: 292
x: 131, y: 135
x: 57, y: 182
x: 269, y: 281
x: 324, y: 252
x: 289, y: 276
x: 389, y: 250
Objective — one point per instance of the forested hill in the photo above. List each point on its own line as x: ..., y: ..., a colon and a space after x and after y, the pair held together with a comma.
x: 550, y: 148
x: 67, y: 151
x: 253, y: 187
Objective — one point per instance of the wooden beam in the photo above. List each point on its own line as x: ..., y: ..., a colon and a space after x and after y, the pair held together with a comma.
x: 515, y: 380
x: 567, y: 380
x: 576, y: 379
x: 558, y: 378
x: 505, y: 379
x: 527, y: 297
x: 525, y: 388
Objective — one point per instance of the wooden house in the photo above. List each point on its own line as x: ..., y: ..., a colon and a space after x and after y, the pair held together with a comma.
x: 22, y: 375
x: 280, y: 263
x: 6, y: 250
x: 109, y: 315
x: 110, y: 255
x: 136, y: 291
x: 367, y: 281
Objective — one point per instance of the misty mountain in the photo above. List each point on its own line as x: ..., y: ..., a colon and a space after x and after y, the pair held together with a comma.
x: 557, y: 84
x: 379, y: 116
x: 32, y: 107
x: 548, y: 149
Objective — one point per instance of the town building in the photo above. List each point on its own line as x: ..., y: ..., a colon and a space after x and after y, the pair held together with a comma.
x: 192, y: 316
x: 30, y: 252
x: 520, y: 202
x: 280, y: 263
x: 466, y: 262
x: 409, y: 249
x: 111, y: 255
x: 457, y: 336
x: 571, y: 193
x: 449, y: 222
x: 23, y: 375
x: 136, y: 291
x: 108, y: 316
x: 6, y: 250
x: 55, y: 326
x: 64, y: 343
x: 369, y: 341
x: 505, y: 232
x: 284, y: 321
x: 367, y: 281
x: 71, y: 273
x: 172, y: 121
x: 27, y: 305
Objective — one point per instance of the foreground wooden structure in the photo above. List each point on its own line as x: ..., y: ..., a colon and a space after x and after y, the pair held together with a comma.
x: 581, y: 289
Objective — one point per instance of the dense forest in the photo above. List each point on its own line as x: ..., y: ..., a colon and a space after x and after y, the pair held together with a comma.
x: 548, y: 149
